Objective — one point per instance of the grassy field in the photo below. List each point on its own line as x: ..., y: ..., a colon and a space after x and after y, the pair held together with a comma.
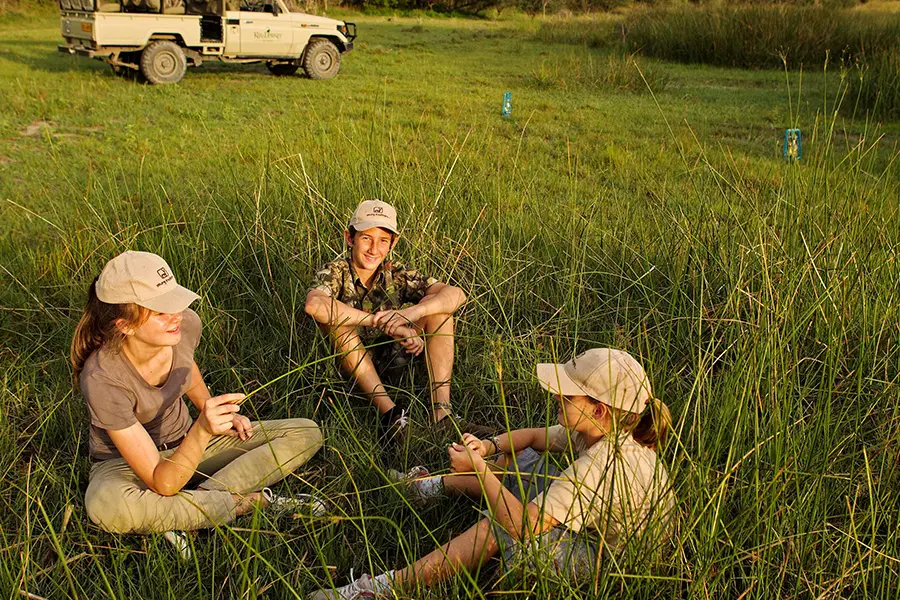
x: 760, y: 295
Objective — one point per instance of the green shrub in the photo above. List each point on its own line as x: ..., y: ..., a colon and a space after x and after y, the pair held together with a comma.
x: 760, y: 36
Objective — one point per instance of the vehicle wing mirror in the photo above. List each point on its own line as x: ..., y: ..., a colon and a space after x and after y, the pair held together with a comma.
x: 275, y: 9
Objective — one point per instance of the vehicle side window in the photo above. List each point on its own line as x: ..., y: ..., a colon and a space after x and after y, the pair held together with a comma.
x: 257, y: 6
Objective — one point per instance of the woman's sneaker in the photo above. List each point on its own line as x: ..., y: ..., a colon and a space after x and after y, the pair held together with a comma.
x: 306, y: 504
x: 420, y: 482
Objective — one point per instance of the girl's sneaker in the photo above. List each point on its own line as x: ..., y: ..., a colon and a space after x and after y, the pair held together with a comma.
x: 298, y: 503
x: 363, y: 587
x: 420, y: 482
x: 178, y: 539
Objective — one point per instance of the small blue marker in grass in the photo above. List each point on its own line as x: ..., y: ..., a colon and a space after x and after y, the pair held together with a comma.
x: 506, y: 109
x: 793, y: 145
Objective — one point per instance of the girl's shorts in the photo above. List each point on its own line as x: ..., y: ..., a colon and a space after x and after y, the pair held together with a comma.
x: 569, y: 554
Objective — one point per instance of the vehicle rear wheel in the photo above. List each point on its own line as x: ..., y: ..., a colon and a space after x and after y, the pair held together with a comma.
x: 322, y: 59
x: 163, y: 62
x: 282, y: 68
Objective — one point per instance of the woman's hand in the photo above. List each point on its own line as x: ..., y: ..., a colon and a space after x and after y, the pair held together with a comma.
x: 217, y: 416
x: 477, y: 445
x: 463, y: 459
x: 241, y: 427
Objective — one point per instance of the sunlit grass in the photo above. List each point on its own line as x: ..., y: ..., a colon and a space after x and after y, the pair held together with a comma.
x: 759, y: 294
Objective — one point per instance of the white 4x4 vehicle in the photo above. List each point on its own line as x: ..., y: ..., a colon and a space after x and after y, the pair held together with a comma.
x: 161, y: 38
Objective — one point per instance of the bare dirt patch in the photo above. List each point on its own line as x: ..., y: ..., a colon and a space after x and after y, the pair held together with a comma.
x: 37, y: 128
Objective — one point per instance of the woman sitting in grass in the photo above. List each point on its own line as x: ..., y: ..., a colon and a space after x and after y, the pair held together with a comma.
x: 616, y: 487
x: 133, y: 353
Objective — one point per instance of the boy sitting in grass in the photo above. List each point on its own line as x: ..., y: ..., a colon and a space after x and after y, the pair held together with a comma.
x: 616, y: 487
x: 376, y: 312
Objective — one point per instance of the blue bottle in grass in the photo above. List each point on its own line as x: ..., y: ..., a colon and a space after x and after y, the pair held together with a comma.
x: 506, y: 109
x: 793, y: 145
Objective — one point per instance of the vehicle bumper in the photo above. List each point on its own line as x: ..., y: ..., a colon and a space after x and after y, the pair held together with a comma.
x: 348, y: 46
x: 77, y: 50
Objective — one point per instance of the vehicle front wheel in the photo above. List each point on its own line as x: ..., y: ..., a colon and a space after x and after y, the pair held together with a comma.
x: 322, y: 59
x: 282, y: 68
x: 163, y: 62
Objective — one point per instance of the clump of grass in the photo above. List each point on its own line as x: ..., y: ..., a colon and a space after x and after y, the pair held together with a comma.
x: 615, y: 71
x: 874, y: 86
x: 593, y: 31
x: 759, y: 36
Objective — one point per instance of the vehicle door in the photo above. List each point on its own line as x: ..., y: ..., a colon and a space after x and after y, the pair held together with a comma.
x: 265, y: 28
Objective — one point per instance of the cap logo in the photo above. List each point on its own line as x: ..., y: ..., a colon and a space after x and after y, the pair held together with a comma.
x: 164, y: 275
x: 377, y: 210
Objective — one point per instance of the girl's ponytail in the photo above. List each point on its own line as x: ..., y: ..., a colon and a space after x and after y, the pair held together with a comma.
x: 654, y: 425
x: 97, y: 327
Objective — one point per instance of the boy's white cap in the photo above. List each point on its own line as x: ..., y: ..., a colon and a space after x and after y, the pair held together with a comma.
x: 144, y: 279
x: 611, y: 376
x: 374, y: 213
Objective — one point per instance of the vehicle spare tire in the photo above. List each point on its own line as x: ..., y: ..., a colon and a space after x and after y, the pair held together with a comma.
x: 322, y: 59
x: 163, y: 61
x: 282, y: 68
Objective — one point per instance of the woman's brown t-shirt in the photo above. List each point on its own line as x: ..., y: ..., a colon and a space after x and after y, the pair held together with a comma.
x: 117, y: 396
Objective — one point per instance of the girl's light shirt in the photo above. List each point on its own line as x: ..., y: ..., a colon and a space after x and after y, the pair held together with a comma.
x: 617, y: 487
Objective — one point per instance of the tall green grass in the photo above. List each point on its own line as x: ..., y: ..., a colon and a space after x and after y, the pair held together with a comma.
x: 874, y: 85
x: 620, y: 72
x: 760, y: 295
x: 760, y: 36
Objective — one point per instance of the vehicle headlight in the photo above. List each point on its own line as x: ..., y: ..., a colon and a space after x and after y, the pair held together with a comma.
x: 342, y: 29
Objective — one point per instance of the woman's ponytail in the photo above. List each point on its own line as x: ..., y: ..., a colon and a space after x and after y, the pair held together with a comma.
x: 97, y: 327
x: 654, y: 425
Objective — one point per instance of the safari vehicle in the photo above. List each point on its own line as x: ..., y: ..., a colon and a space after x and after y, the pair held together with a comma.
x: 159, y: 39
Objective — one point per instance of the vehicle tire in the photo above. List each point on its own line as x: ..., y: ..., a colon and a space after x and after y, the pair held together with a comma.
x: 163, y: 62
x: 322, y: 59
x: 282, y: 68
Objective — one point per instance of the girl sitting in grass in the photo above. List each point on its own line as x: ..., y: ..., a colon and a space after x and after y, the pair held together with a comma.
x: 615, y: 487
x: 133, y: 353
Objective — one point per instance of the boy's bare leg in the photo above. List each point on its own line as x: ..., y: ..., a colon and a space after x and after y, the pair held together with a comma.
x: 467, y: 551
x: 358, y: 365
x: 439, y: 358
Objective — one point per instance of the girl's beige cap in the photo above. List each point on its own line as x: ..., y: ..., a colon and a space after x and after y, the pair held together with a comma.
x: 611, y: 376
x: 374, y: 213
x: 144, y: 279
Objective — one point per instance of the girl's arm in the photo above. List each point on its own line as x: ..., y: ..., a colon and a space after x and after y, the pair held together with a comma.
x: 198, y: 394
x: 510, y: 513
x: 167, y: 476
x: 512, y: 442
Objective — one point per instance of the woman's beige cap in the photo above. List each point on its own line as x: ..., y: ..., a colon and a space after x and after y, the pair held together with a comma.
x: 144, y: 279
x: 611, y: 376
x: 374, y: 213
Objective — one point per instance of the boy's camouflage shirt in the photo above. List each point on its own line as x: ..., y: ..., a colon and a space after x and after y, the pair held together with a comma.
x: 394, y: 286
